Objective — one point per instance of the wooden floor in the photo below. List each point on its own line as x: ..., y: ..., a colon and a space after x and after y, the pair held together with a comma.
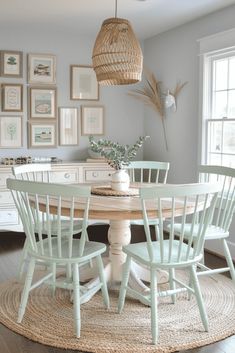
x: 10, y: 342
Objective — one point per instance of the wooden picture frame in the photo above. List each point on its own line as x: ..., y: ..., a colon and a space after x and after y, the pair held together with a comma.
x: 42, y: 134
x: 68, y: 126
x: 83, y: 83
x: 42, y: 69
x: 42, y: 102
x: 12, y: 97
x: 11, y: 63
x: 92, y: 120
x: 11, y: 132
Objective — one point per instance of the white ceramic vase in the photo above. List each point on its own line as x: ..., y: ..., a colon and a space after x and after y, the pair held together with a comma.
x: 120, y: 180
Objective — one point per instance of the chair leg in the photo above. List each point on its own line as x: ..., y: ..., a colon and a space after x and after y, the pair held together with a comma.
x: 53, y: 277
x: 23, y: 258
x: 203, y: 257
x: 26, y: 290
x: 68, y: 271
x: 90, y: 261
x: 198, y: 294
x: 157, y: 231
x: 125, y: 278
x: 103, y: 281
x: 190, y: 284
x: 154, y: 320
x: 76, y: 300
x: 229, y: 259
x: 172, y: 283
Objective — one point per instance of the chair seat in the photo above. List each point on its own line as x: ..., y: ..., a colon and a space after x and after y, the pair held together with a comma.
x: 140, y: 252
x: 212, y: 232
x: 91, y: 250
x: 140, y: 222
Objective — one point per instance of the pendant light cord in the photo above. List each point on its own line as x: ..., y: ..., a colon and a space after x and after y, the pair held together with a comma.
x: 115, y: 8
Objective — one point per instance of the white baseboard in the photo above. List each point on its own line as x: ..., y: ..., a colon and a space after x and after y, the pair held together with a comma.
x: 215, y: 246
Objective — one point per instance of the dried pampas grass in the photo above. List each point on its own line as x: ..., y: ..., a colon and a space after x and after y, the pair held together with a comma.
x: 151, y: 94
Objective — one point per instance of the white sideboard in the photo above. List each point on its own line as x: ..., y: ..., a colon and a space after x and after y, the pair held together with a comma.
x: 63, y: 172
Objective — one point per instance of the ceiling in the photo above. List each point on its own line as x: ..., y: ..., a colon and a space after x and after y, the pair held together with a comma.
x: 148, y: 17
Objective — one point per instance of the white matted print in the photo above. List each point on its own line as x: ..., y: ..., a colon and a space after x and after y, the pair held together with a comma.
x: 11, y: 63
x: 42, y: 134
x: 42, y: 68
x: 10, y: 131
x: 68, y: 126
x: 92, y: 120
x: 12, y: 97
x: 42, y: 102
x: 83, y: 83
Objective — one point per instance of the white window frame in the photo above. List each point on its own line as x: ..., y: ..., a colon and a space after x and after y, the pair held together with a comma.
x: 211, y: 47
x: 209, y: 60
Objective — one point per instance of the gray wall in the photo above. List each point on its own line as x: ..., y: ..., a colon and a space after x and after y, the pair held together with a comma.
x: 123, y: 117
x: 173, y: 56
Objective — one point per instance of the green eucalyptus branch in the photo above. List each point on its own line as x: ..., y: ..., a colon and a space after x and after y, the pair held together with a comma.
x: 117, y: 156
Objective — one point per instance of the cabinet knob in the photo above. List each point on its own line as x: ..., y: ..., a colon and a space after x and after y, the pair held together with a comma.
x: 67, y: 175
x: 95, y: 174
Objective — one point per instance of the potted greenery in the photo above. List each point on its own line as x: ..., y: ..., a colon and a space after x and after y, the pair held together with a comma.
x: 118, y: 157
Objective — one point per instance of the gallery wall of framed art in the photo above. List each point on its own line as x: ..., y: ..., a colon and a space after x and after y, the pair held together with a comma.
x: 47, y: 124
x: 59, y: 49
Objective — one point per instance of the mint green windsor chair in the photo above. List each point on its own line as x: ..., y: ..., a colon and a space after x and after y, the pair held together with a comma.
x: 174, y: 252
x: 57, y: 250
x: 218, y: 229
x: 148, y: 172
x: 40, y: 172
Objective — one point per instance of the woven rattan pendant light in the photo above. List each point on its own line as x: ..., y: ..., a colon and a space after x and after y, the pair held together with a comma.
x: 117, y: 56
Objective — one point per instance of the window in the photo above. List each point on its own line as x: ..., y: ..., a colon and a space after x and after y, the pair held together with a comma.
x: 219, y: 108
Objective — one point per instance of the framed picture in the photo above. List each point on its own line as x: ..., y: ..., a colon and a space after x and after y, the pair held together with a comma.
x: 12, y: 97
x: 42, y: 134
x: 92, y: 120
x: 83, y: 83
x: 68, y: 126
x: 42, y: 68
x: 42, y: 102
x: 10, y: 131
x: 11, y: 63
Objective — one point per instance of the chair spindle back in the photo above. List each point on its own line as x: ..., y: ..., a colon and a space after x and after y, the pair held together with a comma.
x: 148, y: 171
x: 182, y: 202
x: 225, y: 178
x: 33, y: 172
x: 32, y: 198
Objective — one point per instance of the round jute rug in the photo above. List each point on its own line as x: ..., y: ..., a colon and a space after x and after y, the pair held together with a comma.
x: 49, y: 320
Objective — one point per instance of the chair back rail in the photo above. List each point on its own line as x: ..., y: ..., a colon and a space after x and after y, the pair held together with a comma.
x: 30, y: 195
x: 34, y: 172
x: 199, y: 198
x: 225, y: 177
